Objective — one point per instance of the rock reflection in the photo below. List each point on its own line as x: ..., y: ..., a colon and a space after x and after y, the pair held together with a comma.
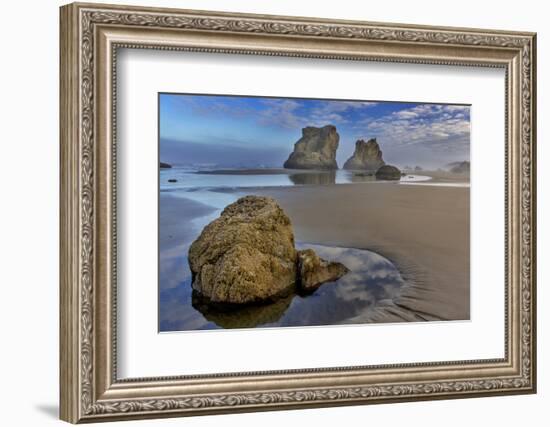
x: 372, y: 281
x: 249, y: 316
x: 357, y: 177
x: 313, y: 178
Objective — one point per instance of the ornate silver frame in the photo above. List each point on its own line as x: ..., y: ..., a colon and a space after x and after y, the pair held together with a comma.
x: 90, y: 36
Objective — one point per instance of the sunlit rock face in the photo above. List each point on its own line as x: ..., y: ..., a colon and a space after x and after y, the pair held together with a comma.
x: 246, y: 255
x: 316, y: 149
x: 367, y: 156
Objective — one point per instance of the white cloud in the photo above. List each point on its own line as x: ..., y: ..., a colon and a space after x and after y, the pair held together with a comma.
x: 333, y: 111
x: 285, y: 113
x: 406, y: 114
x: 442, y: 127
x: 281, y: 112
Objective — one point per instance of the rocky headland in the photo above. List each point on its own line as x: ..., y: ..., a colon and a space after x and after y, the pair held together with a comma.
x: 247, y: 256
x: 165, y: 165
x: 366, y: 157
x: 316, y: 149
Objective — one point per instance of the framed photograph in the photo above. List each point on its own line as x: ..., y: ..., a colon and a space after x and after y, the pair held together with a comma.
x: 266, y: 212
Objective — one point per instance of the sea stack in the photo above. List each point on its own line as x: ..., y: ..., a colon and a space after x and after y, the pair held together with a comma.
x: 316, y: 149
x: 366, y: 157
x: 247, y: 256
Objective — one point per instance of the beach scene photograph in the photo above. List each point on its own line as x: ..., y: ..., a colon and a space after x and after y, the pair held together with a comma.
x: 297, y: 212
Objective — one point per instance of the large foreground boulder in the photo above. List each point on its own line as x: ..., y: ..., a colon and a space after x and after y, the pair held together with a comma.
x: 388, y: 173
x: 247, y: 256
x: 367, y: 156
x: 313, y: 271
x: 316, y: 149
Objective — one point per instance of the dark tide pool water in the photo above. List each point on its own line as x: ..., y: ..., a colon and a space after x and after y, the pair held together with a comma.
x: 372, y: 280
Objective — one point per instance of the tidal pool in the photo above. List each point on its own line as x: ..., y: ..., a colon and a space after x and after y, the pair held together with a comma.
x: 372, y: 280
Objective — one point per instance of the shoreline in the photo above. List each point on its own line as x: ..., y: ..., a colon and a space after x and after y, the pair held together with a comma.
x: 436, y: 176
x: 260, y: 171
x: 440, y: 175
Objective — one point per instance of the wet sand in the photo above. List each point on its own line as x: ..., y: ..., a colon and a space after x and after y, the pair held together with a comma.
x: 175, y: 214
x: 445, y: 176
x: 424, y: 230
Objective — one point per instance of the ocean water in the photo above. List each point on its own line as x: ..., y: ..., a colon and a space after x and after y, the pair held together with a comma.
x: 194, y: 179
x: 372, y: 280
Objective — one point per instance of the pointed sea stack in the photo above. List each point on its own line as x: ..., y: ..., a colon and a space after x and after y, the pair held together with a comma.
x: 367, y: 156
x: 316, y: 149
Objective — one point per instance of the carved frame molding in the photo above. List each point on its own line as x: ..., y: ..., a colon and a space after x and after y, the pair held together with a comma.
x: 90, y: 37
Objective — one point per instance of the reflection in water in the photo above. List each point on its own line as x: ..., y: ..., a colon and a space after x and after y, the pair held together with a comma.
x: 313, y: 178
x: 248, y: 316
x: 372, y: 280
x: 190, y: 180
x: 362, y: 177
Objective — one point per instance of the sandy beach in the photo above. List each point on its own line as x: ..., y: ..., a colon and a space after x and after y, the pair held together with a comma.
x: 421, y: 228
x: 424, y: 230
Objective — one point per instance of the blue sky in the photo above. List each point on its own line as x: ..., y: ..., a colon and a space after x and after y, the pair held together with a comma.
x: 253, y: 131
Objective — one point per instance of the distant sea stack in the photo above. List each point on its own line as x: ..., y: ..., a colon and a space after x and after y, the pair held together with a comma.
x: 247, y: 256
x: 459, y: 167
x: 316, y: 149
x: 165, y: 165
x: 388, y: 173
x: 367, y: 156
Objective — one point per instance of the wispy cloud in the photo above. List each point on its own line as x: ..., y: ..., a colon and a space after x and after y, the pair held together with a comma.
x: 280, y: 112
x: 430, y: 125
x: 213, y: 106
x: 294, y: 113
x: 336, y: 112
